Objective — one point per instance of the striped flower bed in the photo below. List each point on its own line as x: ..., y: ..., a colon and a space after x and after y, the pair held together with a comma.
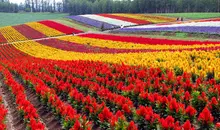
x: 112, y: 21
x: 29, y: 32
x: 60, y: 27
x: 92, y: 22
x: 211, y: 27
x: 132, y: 20
x: 2, y: 39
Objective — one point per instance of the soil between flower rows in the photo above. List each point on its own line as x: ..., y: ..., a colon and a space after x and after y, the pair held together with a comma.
x: 14, y: 121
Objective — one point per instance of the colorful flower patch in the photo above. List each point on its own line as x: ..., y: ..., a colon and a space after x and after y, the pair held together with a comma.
x: 2, y: 39
x: 12, y: 35
x: 112, y: 21
x: 210, y: 27
x: 92, y: 22
x: 60, y: 27
x: 150, y: 18
x: 29, y: 32
x: 49, y: 32
x: 132, y: 20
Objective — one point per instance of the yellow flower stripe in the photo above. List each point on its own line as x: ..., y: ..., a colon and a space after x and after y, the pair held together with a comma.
x: 150, y: 18
x: 12, y: 35
x: 129, y: 45
x: 202, y: 63
x: 44, y: 29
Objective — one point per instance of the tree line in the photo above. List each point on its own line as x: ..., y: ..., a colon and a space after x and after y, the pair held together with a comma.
x: 112, y: 6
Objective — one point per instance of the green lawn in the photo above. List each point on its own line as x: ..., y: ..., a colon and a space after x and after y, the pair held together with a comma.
x: 192, y: 15
x: 20, y: 18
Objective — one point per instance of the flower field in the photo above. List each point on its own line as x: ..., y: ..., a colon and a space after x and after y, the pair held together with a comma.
x: 34, y: 30
x: 111, y: 21
x: 100, y: 81
x: 200, y: 26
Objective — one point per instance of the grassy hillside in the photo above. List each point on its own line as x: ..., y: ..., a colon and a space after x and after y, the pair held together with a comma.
x: 19, y: 18
x: 192, y: 15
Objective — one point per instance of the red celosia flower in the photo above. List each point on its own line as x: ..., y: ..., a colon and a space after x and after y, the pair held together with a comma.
x: 76, y: 125
x: 217, y: 125
x: 126, y: 109
x: 191, y: 111
x: 205, y: 117
x: 187, y: 126
x: 187, y: 96
x: 132, y: 126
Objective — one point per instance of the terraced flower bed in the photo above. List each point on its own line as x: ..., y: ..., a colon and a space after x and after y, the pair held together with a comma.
x: 204, y: 26
x: 34, y: 30
x: 107, y: 82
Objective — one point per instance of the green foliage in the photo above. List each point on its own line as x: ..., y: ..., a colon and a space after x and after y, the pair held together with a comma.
x: 76, y: 7
x: 192, y: 15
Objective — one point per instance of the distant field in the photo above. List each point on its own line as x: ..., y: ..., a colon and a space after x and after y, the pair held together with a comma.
x: 192, y: 15
x: 19, y: 18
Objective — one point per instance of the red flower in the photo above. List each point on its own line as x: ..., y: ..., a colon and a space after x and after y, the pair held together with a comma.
x: 126, y: 108
x: 132, y: 126
x: 105, y: 114
x: 205, y: 117
x: 217, y: 125
x: 187, y: 126
x: 187, y: 96
x: 167, y: 123
x: 76, y: 126
x: 191, y: 111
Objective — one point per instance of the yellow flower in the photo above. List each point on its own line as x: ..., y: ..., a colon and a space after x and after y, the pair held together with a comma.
x: 44, y: 29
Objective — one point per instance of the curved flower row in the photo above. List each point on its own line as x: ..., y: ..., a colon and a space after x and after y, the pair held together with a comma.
x: 145, y: 40
x: 210, y: 27
x: 111, y: 21
x: 28, y: 32
x: 24, y: 107
x: 150, y: 18
x: 136, y: 21
x: 44, y: 29
x: 199, y: 62
x: 12, y: 35
x: 60, y: 27
x: 129, y: 45
x: 14, y: 53
x: 2, y: 38
x: 92, y: 22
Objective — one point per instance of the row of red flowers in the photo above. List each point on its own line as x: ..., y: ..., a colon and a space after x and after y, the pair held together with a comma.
x: 115, y: 85
x: 60, y: 27
x: 29, y: 32
x: 24, y: 107
x: 105, y: 115
x: 3, y: 114
x: 144, y: 40
x: 14, y: 53
x: 75, y: 47
x: 67, y: 115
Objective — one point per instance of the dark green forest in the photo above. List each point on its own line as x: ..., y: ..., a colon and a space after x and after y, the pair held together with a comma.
x: 112, y: 6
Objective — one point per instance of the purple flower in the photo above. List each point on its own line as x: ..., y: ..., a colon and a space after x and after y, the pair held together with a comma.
x: 190, y: 29
x: 91, y: 22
